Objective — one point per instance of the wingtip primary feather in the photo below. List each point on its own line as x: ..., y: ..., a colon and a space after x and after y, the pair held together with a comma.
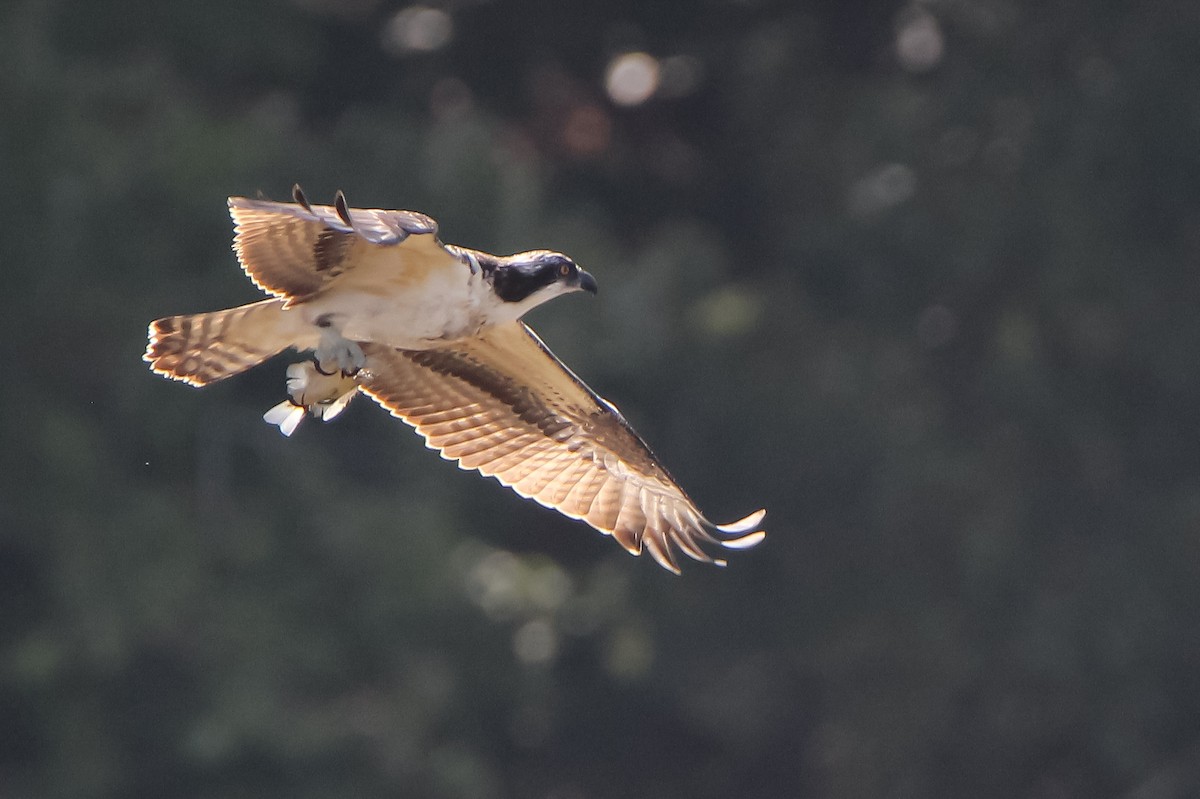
x: 659, y: 547
x: 743, y: 525
x: 745, y: 531
x: 746, y: 541
x: 628, y: 538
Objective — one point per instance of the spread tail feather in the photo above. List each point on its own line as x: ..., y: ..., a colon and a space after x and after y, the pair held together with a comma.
x: 207, y: 347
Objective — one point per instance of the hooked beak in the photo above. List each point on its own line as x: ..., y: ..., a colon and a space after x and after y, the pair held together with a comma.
x: 587, y: 282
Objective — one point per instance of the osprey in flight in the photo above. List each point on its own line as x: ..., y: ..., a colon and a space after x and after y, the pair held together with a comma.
x: 433, y: 333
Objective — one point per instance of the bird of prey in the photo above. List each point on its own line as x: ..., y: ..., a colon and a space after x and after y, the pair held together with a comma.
x: 433, y: 333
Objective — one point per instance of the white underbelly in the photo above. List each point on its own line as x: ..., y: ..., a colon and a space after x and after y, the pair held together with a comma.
x: 415, y: 315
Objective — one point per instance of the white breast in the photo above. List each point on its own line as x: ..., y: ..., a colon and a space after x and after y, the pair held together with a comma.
x: 407, y: 297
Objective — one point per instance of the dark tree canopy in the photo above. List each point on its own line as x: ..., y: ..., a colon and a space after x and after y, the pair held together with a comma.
x: 920, y: 279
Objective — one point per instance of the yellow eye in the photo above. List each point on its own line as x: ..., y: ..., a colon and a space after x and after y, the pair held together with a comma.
x: 564, y: 270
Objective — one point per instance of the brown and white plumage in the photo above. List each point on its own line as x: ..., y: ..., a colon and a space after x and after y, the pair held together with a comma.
x: 199, y: 349
x: 294, y: 250
x: 501, y: 403
x: 432, y: 332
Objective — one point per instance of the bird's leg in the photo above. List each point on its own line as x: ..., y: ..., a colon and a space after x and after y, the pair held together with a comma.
x: 336, y: 353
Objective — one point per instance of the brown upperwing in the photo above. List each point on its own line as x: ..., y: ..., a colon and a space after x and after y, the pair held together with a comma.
x: 293, y: 250
x: 502, y: 404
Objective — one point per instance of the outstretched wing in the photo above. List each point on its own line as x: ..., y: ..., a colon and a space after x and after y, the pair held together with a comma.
x: 502, y: 404
x: 293, y: 250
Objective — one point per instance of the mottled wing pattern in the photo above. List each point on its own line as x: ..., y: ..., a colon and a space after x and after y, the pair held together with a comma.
x: 503, y: 405
x: 293, y: 250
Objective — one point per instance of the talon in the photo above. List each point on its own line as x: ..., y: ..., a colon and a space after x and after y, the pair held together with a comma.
x: 299, y: 198
x: 340, y: 353
x: 320, y: 397
x: 339, y: 205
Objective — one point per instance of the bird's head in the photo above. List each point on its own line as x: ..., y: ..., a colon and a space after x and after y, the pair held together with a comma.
x: 528, y: 279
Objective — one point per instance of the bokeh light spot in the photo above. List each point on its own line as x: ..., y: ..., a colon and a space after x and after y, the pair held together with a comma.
x: 632, y: 78
x: 417, y: 29
x: 535, y: 642
x: 888, y: 186
x: 493, y: 585
x: 919, y: 41
x: 728, y: 311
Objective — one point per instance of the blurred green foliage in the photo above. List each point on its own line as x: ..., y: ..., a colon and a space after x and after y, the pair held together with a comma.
x: 921, y: 279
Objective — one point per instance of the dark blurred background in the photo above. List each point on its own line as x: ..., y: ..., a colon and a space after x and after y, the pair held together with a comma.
x: 920, y: 278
